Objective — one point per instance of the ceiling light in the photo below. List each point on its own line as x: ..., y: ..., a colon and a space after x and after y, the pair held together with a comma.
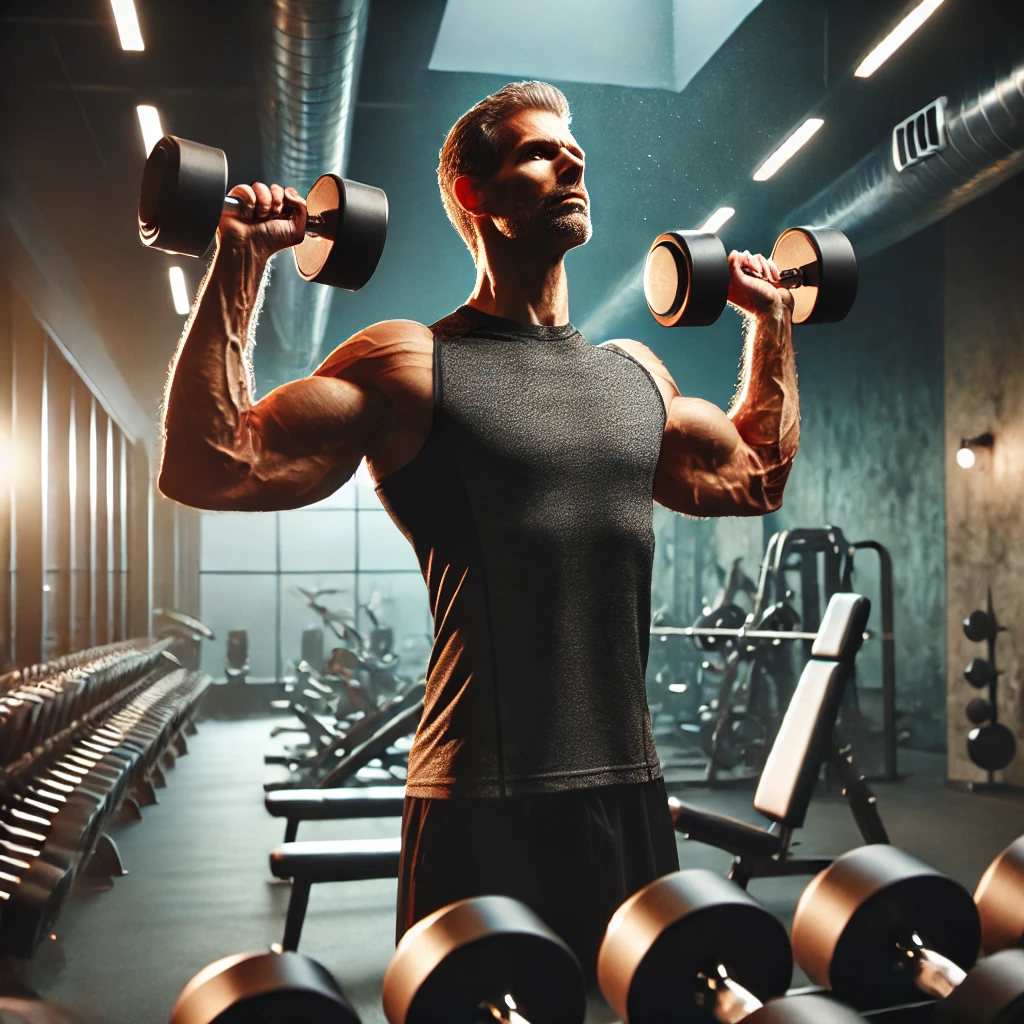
x: 717, y: 219
x: 788, y: 148
x: 178, y: 291
x: 152, y: 130
x: 127, y: 20
x: 896, y: 38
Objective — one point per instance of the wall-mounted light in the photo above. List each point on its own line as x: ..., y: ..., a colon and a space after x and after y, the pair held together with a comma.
x: 965, y: 457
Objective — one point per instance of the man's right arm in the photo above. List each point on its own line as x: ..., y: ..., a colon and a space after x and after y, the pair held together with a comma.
x: 222, y: 449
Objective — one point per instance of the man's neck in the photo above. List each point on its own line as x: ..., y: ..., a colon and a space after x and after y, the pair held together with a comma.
x: 528, y: 293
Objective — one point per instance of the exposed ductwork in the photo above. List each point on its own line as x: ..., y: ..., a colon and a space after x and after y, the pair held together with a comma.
x: 307, y: 75
x: 876, y: 205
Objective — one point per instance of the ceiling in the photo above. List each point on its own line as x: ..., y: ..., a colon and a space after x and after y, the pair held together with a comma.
x: 71, y: 152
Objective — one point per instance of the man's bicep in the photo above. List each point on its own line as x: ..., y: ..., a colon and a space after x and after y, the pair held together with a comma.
x: 705, y: 468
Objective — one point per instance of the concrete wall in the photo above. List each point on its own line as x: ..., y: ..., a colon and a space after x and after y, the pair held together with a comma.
x: 984, y: 311
x: 871, y: 459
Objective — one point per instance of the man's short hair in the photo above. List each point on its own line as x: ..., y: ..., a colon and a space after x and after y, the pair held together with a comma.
x: 475, y: 144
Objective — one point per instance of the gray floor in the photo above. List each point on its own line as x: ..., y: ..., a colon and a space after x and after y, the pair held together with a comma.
x: 199, y: 888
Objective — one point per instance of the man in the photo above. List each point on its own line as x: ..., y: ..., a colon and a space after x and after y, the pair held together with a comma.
x: 520, y: 462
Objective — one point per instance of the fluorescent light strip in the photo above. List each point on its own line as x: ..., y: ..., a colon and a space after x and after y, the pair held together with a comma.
x: 127, y: 20
x: 896, y: 38
x: 149, y: 122
x: 178, y: 291
x: 717, y: 219
x: 798, y: 139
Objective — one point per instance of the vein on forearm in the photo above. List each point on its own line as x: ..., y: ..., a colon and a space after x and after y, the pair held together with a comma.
x: 766, y: 409
x: 211, y: 388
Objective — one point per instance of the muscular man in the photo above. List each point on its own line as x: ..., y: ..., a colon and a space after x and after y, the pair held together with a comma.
x: 520, y: 461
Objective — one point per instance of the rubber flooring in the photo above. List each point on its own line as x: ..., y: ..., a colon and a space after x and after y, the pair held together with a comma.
x: 199, y: 888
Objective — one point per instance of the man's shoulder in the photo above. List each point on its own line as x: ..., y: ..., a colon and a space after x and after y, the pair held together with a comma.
x: 650, y: 362
x: 381, y: 349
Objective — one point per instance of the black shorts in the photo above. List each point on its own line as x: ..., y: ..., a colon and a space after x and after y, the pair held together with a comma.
x: 573, y: 857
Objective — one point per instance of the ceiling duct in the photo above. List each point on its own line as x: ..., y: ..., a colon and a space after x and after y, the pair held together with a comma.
x: 307, y: 76
x: 982, y: 145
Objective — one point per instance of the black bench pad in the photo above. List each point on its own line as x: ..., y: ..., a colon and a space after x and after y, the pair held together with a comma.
x: 333, y: 804
x: 344, y: 860
x: 729, y: 834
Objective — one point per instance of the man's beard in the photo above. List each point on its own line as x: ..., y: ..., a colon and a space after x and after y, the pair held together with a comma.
x: 552, y: 222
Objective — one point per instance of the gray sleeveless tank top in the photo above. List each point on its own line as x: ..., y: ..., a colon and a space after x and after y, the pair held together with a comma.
x: 530, y: 511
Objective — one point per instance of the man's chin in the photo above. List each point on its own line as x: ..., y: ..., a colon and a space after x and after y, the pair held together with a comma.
x: 572, y: 229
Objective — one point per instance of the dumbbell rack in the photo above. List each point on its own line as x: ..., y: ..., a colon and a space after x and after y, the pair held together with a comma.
x: 83, y: 741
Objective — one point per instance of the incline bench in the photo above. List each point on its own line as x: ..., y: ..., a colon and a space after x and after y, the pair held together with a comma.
x: 807, y: 738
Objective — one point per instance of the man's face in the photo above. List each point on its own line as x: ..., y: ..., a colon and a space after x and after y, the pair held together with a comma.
x: 537, y: 195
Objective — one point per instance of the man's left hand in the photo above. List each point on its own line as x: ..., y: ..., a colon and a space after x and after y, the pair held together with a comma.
x: 754, y: 285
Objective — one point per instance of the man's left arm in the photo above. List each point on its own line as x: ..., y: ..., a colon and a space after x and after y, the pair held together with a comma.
x: 735, y: 464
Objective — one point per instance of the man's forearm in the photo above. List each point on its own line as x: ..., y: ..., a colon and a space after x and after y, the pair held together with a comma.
x: 766, y: 410
x: 210, y: 387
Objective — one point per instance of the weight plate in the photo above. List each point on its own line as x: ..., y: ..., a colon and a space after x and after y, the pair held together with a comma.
x: 678, y: 927
x: 1000, y: 899
x: 853, y: 915
x: 182, y: 196
x: 252, y: 987
x: 830, y: 267
x: 491, y: 949
x: 979, y: 673
x: 979, y: 710
x: 979, y: 626
x: 686, y: 278
x: 991, y: 747
x: 348, y: 246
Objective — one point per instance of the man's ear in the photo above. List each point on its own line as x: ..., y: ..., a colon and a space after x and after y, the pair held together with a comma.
x: 470, y: 197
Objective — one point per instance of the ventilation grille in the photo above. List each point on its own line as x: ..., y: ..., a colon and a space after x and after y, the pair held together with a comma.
x: 919, y: 135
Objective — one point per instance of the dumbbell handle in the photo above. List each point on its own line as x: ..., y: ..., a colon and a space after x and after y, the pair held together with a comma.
x: 234, y: 206
x: 794, y: 277
x: 725, y: 999
x: 933, y: 973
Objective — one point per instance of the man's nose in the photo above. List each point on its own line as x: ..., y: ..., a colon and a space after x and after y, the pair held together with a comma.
x: 570, y: 171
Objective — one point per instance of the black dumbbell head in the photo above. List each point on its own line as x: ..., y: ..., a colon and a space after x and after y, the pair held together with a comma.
x: 830, y: 272
x: 686, y: 278
x: 251, y: 987
x: 663, y: 938
x: 490, y: 949
x: 851, y: 917
x: 182, y: 196
x: 999, y: 898
x: 347, y: 248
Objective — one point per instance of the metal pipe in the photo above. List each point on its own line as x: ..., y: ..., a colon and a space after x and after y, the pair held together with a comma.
x: 306, y: 90
x: 876, y: 205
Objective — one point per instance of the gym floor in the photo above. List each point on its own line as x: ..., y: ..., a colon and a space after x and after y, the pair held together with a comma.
x: 198, y: 887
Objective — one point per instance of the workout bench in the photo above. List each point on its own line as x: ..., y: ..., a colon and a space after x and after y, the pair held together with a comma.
x: 295, y: 805
x: 807, y: 738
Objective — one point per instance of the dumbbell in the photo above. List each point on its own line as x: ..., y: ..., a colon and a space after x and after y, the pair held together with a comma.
x: 999, y: 898
x: 686, y: 276
x: 694, y: 947
x: 490, y: 959
x: 879, y: 927
x: 183, y: 197
x: 272, y: 987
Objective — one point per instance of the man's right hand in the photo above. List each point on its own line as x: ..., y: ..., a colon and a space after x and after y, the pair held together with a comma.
x: 277, y: 220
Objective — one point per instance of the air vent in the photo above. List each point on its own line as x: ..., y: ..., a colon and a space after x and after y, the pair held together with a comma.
x: 920, y: 135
